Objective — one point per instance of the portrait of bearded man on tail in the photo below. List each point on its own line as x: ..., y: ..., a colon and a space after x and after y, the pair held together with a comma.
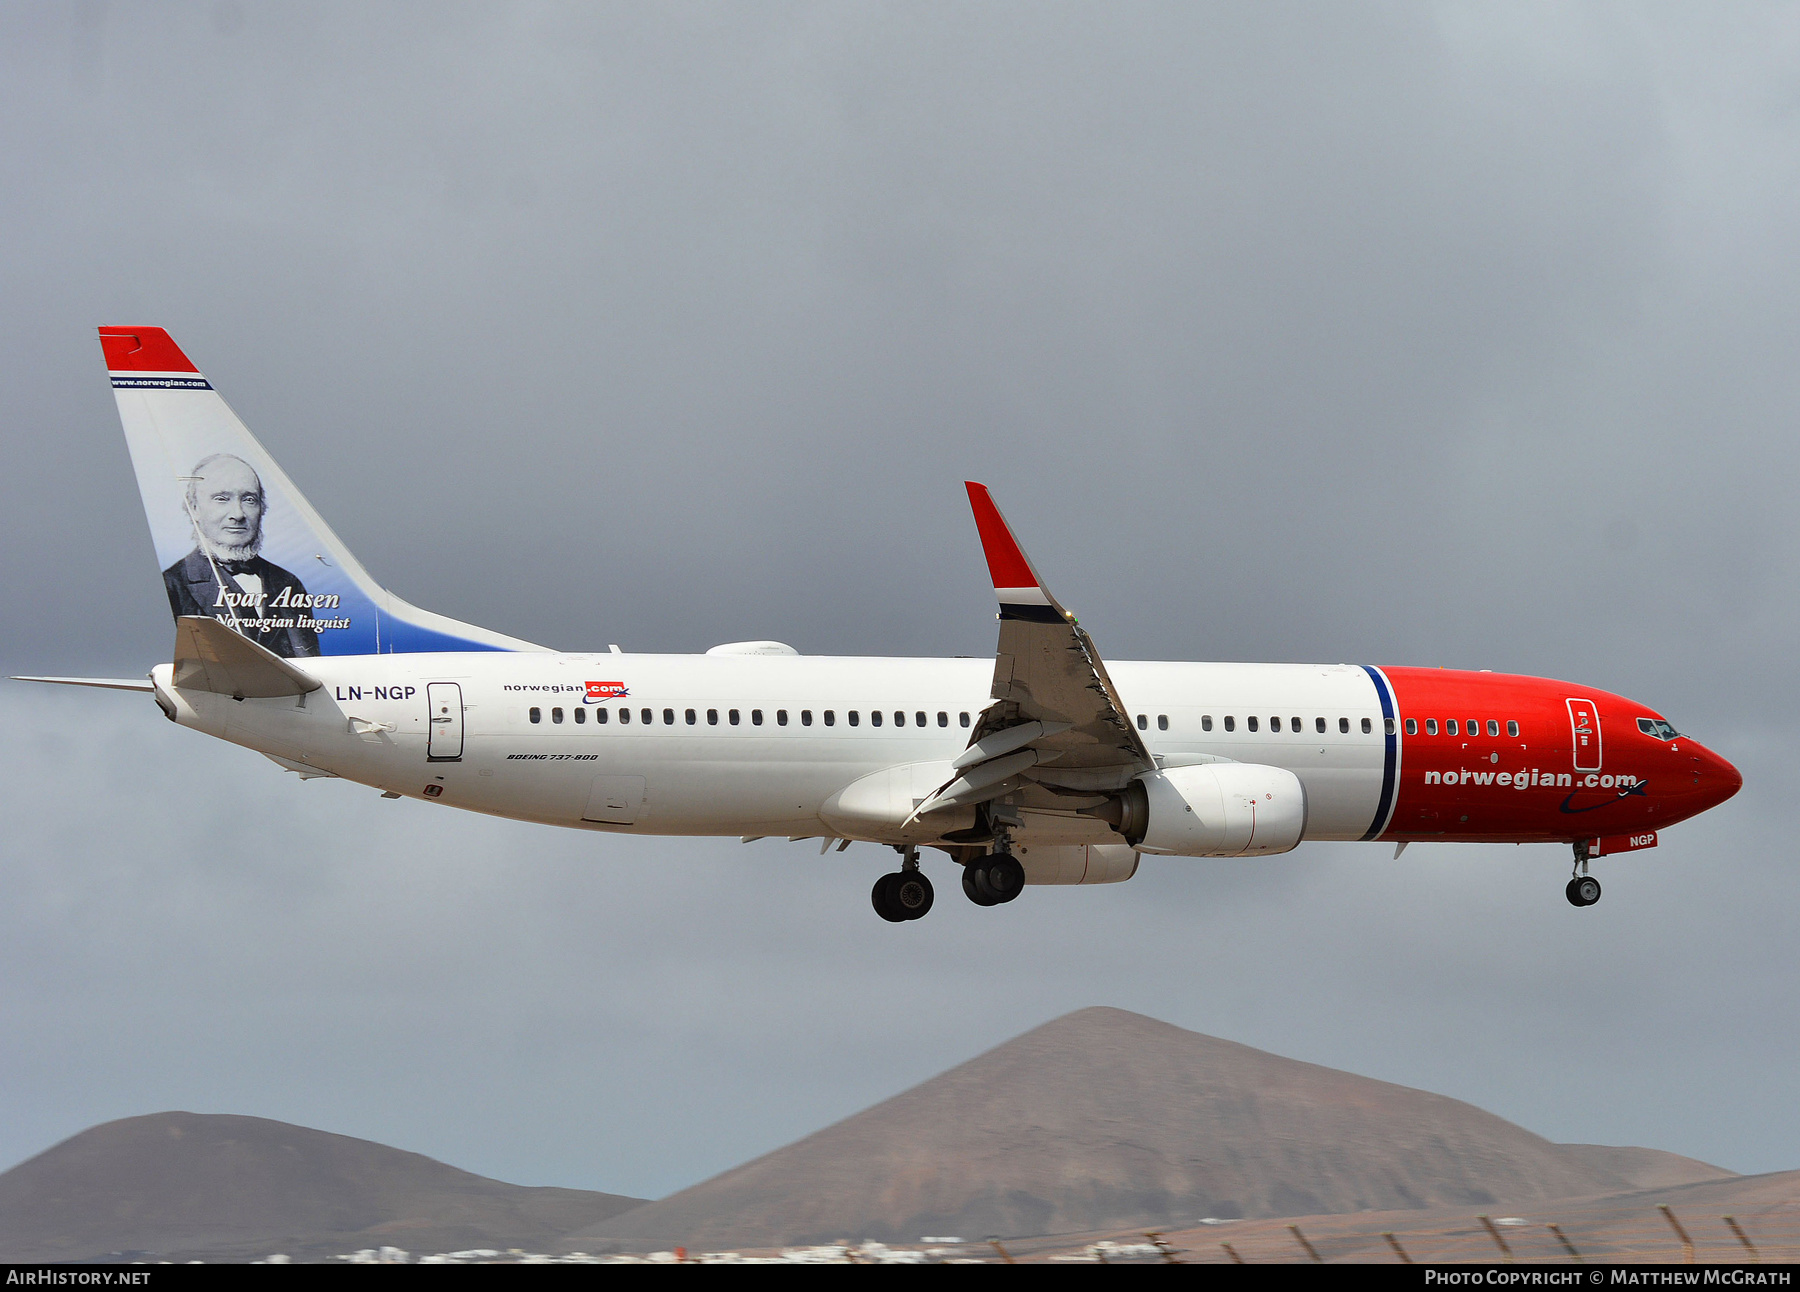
x: 225, y: 577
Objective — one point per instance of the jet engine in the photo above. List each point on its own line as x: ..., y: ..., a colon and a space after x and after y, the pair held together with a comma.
x: 1213, y: 810
x: 1076, y: 863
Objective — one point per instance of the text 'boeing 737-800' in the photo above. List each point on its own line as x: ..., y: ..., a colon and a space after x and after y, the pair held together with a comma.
x: 1047, y: 765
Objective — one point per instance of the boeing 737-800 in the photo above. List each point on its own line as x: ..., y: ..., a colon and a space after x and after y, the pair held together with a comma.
x: 1046, y: 765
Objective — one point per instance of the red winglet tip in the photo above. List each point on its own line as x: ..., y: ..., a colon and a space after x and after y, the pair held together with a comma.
x: 1006, y: 561
x: 142, y: 349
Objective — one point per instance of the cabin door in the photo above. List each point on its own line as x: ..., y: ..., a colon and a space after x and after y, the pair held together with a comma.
x: 1584, y: 732
x: 444, y: 738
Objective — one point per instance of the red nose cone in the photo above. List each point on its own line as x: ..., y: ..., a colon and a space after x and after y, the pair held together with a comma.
x: 1719, y: 780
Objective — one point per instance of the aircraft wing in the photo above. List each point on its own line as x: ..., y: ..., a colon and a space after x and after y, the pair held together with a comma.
x: 1056, y: 721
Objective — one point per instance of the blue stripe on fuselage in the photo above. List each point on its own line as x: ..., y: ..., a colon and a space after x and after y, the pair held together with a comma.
x: 1391, y: 758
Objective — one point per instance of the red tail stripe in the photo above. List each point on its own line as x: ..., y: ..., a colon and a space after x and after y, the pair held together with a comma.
x: 142, y: 349
x: 1006, y: 562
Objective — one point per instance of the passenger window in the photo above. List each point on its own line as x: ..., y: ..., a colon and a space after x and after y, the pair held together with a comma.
x: 853, y: 717
x: 556, y: 715
x: 1294, y: 725
x: 919, y: 719
x: 806, y: 717
x: 1493, y: 727
x: 1318, y: 724
x: 1474, y: 727
x: 1274, y: 724
x: 899, y: 718
x: 1387, y: 725
x: 1431, y: 726
x: 943, y: 718
x: 1162, y: 722
x: 1206, y: 722
x: 600, y: 716
x: 962, y: 719
x: 1449, y: 726
x: 646, y: 716
x: 1143, y: 723
x: 831, y: 717
x: 874, y: 718
x: 1249, y: 724
x: 731, y: 716
x: 1412, y: 726
x: 537, y: 715
x: 624, y: 715
x: 712, y: 717
x: 1344, y: 725
x: 668, y: 717
x: 1512, y: 729
x: 1230, y: 723
x: 581, y: 715
x: 781, y: 717
x: 1366, y: 728
x: 692, y: 717
x: 756, y: 717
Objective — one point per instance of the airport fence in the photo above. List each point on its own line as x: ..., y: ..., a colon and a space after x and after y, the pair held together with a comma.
x: 1656, y: 1236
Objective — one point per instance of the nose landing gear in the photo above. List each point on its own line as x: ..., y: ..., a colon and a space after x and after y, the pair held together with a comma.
x: 905, y: 894
x: 1583, y: 889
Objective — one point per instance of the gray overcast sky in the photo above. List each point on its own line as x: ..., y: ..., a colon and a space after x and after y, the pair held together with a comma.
x: 1414, y: 334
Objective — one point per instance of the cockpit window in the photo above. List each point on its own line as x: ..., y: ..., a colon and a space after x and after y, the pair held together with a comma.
x: 1657, y: 728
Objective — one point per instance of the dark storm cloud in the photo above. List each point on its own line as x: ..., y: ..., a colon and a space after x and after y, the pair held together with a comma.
x: 1421, y: 334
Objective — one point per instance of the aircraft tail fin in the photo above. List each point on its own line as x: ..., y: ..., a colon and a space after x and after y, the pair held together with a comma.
x: 237, y: 542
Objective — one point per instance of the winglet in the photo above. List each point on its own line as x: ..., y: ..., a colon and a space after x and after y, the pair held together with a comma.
x: 1016, y: 584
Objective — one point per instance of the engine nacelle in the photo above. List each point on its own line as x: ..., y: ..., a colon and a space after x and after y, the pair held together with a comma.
x: 1077, y: 863
x: 1214, y: 810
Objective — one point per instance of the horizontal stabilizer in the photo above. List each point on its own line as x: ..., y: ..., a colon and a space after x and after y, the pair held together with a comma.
x: 211, y: 657
x: 105, y: 683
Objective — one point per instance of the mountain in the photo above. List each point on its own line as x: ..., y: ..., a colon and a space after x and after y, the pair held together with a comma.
x: 1103, y: 1118
x: 1648, y: 1168
x: 221, y: 1187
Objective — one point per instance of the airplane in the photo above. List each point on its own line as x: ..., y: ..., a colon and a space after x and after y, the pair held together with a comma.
x: 1045, y: 765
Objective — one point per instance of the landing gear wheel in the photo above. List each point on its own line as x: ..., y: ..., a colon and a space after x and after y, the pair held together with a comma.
x: 975, y: 886
x: 1583, y: 890
x: 1004, y: 877
x: 903, y: 895
x: 910, y: 892
x: 882, y: 898
x: 996, y: 878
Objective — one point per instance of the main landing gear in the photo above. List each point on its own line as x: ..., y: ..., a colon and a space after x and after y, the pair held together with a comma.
x: 990, y: 880
x: 1583, y: 889
x: 995, y: 878
x: 906, y: 893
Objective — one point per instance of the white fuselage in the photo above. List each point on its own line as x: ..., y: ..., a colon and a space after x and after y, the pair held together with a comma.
x: 369, y: 722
